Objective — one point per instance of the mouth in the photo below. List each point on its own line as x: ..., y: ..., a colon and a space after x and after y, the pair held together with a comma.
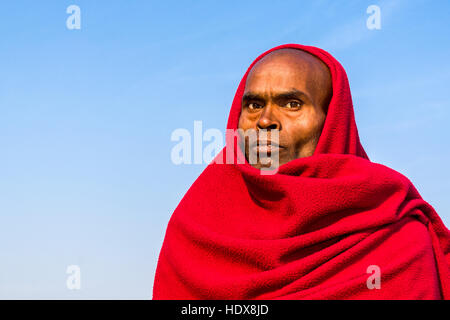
x: 265, y: 147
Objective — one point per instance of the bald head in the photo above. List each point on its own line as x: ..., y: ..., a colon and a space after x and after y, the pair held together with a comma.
x: 288, y: 90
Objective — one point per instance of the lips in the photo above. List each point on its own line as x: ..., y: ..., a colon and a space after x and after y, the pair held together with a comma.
x: 264, y: 143
x: 265, y: 147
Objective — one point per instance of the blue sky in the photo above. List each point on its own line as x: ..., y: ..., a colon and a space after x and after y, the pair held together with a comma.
x: 86, y: 118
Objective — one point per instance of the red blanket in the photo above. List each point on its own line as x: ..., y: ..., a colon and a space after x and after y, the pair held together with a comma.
x: 331, y: 226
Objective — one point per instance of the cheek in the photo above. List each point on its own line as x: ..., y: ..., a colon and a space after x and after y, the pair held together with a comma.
x: 303, y: 129
x: 241, y: 123
x: 245, y: 122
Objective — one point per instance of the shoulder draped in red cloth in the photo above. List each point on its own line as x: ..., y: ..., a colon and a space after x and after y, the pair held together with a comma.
x: 313, y: 230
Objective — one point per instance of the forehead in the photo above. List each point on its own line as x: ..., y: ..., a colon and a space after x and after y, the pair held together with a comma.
x: 287, y: 68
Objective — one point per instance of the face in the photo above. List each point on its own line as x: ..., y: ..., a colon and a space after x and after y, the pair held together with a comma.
x: 288, y: 90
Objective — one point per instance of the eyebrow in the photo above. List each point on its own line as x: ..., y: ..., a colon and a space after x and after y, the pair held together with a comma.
x: 291, y: 94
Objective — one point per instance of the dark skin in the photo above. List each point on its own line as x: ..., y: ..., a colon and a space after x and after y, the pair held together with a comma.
x: 287, y: 90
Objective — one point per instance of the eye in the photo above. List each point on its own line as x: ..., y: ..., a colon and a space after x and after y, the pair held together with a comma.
x: 254, y: 106
x: 294, y: 104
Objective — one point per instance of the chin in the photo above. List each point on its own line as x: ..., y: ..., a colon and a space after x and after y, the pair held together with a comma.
x: 266, y: 164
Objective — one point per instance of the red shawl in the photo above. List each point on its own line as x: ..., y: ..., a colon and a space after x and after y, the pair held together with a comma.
x: 318, y: 229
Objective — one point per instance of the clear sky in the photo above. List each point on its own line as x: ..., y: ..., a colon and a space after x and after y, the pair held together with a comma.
x: 86, y: 118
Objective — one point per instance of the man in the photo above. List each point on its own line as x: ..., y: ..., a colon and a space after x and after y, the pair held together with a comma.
x: 328, y: 224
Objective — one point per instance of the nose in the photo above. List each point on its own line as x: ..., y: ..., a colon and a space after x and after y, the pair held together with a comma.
x: 268, y: 119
